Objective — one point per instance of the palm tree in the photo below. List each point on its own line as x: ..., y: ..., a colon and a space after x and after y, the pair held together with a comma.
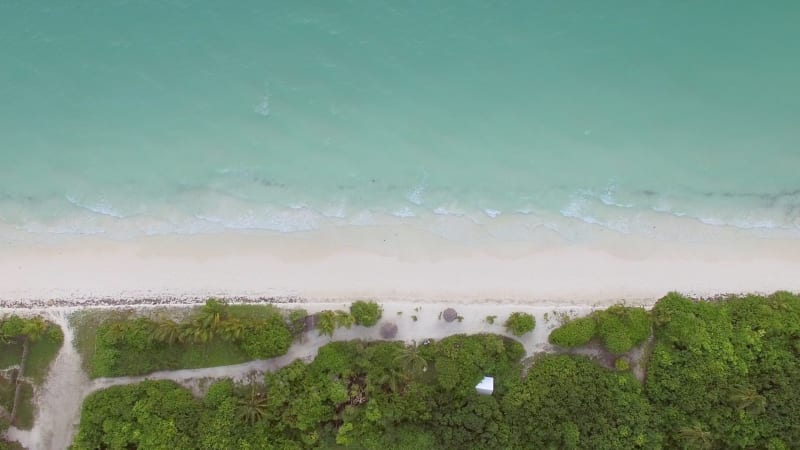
x: 213, y: 313
x: 326, y: 323
x: 410, y: 358
x: 168, y: 331
x: 196, y: 332
x: 392, y: 378
x: 695, y: 437
x: 748, y: 399
x: 232, y: 329
x: 344, y: 319
x: 253, y: 408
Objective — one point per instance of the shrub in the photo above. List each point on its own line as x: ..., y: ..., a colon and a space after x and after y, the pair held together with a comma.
x: 519, y: 323
x: 622, y: 364
x: 574, y: 333
x: 297, y: 320
x: 266, y: 339
x: 621, y: 328
x: 366, y: 313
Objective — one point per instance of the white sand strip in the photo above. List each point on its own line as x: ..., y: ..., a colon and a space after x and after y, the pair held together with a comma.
x: 391, y: 265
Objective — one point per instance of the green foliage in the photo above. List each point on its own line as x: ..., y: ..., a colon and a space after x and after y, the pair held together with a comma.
x: 151, y: 414
x: 575, y: 333
x: 721, y: 374
x: 490, y: 319
x: 266, y: 339
x: 328, y: 321
x: 519, y: 323
x: 297, y: 321
x: 366, y: 313
x: 570, y: 402
x: 724, y: 374
x: 622, y: 364
x: 621, y: 328
x: 25, y: 412
x: 217, y: 334
x: 45, y: 339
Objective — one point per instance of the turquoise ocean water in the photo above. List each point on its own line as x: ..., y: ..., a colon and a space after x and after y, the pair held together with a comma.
x: 128, y: 118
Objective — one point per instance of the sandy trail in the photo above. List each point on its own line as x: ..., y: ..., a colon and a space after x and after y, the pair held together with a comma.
x: 58, y: 400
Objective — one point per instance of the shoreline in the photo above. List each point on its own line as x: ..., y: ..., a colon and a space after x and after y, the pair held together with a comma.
x: 387, y: 264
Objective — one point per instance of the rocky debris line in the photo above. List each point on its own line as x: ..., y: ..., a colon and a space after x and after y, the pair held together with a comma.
x: 135, y: 302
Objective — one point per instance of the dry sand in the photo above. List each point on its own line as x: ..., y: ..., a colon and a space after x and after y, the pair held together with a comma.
x: 391, y: 264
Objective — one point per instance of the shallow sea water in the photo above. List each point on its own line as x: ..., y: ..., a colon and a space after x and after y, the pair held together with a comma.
x: 125, y: 118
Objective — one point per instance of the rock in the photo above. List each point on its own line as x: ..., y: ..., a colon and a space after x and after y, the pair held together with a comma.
x: 450, y: 314
x: 388, y: 330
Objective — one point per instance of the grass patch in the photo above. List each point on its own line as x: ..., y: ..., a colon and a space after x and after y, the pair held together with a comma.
x: 85, y: 324
x: 10, y: 354
x: 252, y: 312
x: 6, y: 393
x: 40, y: 357
x: 136, y: 352
x: 25, y: 413
x: 171, y: 357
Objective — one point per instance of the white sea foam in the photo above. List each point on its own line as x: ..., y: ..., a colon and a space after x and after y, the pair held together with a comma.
x: 492, y: 212
x: 415, y: 196
x: 100, y: 207
x: 405, y: 212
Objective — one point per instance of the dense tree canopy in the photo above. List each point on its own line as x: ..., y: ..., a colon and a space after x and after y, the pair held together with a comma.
x: 571, y: 402
x: 727, y: 371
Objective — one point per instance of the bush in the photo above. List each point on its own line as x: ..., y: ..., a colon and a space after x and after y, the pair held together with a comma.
x: 520, y: 323
x: 622, y: 364
x: 366, y: 313
x: 266, y: 339
x: 621, y: 328
x: 574, y: 333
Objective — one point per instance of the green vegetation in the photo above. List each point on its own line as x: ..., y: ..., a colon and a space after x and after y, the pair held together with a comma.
x: 328, y: 321
x: 218, y: 334
x: 353, y: 395
x: 27, y: 347
x: 519, y: 323
x: 619, y: 328
x: 24, y: 418
x: 570, y: 402
x: 366, y: 313
x: 490, y: 319
x: 722, y: 374
x: 574, y: 333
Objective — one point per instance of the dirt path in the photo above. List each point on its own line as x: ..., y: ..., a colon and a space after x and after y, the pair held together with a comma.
x: 59, y: 398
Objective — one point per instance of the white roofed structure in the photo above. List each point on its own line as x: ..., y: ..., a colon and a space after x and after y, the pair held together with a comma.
x: 486, y: 386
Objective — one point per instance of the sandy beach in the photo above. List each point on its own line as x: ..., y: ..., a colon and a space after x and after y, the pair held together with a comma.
x: 390, y: 264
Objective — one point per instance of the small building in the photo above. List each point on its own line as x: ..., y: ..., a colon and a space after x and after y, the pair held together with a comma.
x: 486, y: 386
